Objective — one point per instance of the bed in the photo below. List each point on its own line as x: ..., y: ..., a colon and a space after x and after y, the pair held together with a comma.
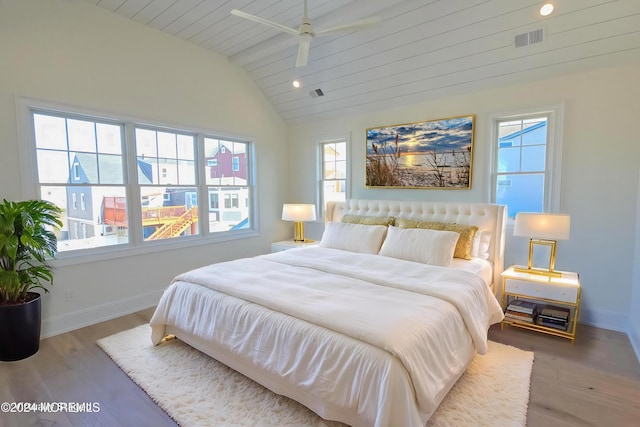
x: 372, y: 327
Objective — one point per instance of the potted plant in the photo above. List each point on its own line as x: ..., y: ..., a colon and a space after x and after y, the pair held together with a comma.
x: 27, y: 242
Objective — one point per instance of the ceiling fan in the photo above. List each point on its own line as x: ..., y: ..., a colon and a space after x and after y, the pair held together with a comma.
x: 305, y: 32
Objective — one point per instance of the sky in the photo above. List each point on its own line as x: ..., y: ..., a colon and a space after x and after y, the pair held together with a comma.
x: 438, y: 135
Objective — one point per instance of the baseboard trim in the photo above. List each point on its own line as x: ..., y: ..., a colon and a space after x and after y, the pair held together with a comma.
x: 79, y: 319
x: 605, y: 319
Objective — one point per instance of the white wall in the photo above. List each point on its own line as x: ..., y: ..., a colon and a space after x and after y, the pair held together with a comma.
x: 599, y: 173
x: 73, y: 53
x: 634, y: 315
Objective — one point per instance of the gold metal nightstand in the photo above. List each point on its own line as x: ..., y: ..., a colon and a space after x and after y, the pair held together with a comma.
x: 563, y: 291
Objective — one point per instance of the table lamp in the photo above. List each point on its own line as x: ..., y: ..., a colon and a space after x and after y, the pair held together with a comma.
x: 542, y: 229
x: 299, y: 213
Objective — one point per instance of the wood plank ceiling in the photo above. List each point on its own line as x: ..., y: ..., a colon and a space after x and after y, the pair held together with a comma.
x: 423, y: 49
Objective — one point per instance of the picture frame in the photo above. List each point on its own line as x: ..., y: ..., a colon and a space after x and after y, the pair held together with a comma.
x: 433, y: 154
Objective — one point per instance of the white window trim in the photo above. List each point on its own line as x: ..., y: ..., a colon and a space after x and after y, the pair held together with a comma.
x: 320, y: 202
x: 553, y: 161
x: 30, y: 183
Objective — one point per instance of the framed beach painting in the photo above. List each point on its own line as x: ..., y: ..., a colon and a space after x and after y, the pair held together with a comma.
x: 431, y: 154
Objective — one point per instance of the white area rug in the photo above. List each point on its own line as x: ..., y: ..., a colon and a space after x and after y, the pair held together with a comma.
x: 197, y: 391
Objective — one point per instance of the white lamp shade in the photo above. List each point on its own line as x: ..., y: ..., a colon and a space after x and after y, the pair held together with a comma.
x: 298, y: 212
x: 542, y: 226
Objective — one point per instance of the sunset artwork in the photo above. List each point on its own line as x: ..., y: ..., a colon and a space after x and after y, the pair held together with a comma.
x: 431, y: 154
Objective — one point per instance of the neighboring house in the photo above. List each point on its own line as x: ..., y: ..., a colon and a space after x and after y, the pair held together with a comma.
x: 224, y: 163
x: 85, y: 204
x: 228, y: 203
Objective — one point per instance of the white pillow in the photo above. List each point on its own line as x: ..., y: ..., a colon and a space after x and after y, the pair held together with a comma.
x: 361, y: 238
x: 433, y: 247
x: 481, y: 241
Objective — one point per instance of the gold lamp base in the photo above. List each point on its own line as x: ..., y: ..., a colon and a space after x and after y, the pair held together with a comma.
x: 529, y: 269
x: 298, y: 232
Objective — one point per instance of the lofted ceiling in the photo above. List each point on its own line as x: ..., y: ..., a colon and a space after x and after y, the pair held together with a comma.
x: 423, y: 49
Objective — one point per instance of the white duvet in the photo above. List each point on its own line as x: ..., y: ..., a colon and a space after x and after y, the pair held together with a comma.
x: 379, y: 341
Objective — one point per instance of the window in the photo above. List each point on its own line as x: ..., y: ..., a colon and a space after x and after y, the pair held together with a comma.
x: 228, y: 178
x: 231, y: 201
x: 91, y: 167
x: 167, y: 176
x: 333, y: 172
x: 79, y: 155
x: 526, y: 159
x: 213, y: 201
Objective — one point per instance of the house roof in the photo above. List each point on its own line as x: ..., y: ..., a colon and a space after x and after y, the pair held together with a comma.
x: 523, y: 131
x: 108, y: 169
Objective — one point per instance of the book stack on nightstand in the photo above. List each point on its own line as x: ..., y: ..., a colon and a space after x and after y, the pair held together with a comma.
x: 554, y: 317
x: 522, y: 311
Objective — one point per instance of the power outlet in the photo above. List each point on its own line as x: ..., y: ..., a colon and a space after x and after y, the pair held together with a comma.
x: 70, y: 295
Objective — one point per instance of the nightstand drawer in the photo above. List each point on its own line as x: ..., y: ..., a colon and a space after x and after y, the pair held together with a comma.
x: 540, y: 290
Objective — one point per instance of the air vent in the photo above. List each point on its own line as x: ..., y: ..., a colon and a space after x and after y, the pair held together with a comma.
x: 316, y: 93
x: 529, y: 38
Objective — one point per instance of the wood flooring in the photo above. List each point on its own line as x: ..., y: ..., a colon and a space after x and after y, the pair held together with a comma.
x: 595, y: 382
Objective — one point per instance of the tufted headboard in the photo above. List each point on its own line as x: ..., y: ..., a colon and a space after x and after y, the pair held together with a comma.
x: 486, y: 216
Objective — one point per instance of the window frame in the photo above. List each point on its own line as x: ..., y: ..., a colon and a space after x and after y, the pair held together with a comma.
x: 30, y: 185
x: 320, y: 202
x: 553, y: 156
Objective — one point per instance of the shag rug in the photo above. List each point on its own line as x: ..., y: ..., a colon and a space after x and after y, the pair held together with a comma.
x: 197, y: 391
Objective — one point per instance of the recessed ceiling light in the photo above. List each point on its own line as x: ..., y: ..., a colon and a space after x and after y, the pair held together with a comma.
x: 296, y: 84
x: 546, y: 9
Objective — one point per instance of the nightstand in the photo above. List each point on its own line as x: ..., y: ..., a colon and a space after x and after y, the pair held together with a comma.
x: 290, y: 244
x: 556, y: 294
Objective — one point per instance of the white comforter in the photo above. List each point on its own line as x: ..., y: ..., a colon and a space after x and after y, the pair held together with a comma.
x: 378, y: 337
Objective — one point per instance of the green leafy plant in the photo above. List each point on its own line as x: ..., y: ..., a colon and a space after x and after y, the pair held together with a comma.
x: 27, y: 243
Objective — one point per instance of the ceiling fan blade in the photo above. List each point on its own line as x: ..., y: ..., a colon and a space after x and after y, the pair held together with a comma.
x: 303, y: 50
x: 275, y: 25
x: 363, y: 23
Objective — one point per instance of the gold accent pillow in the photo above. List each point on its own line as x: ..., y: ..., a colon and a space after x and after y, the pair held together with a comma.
x: 466, y: 232
x: 465, y: 241
x: 368, y: 220
x: 414, y: 223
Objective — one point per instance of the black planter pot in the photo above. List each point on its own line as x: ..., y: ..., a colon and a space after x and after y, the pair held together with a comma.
x: 20, y: 330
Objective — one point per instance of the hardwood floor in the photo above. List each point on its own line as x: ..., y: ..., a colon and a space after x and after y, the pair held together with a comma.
x: 595, y: 382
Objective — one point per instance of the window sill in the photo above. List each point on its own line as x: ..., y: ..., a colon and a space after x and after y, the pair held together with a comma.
x: 121, y: 251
